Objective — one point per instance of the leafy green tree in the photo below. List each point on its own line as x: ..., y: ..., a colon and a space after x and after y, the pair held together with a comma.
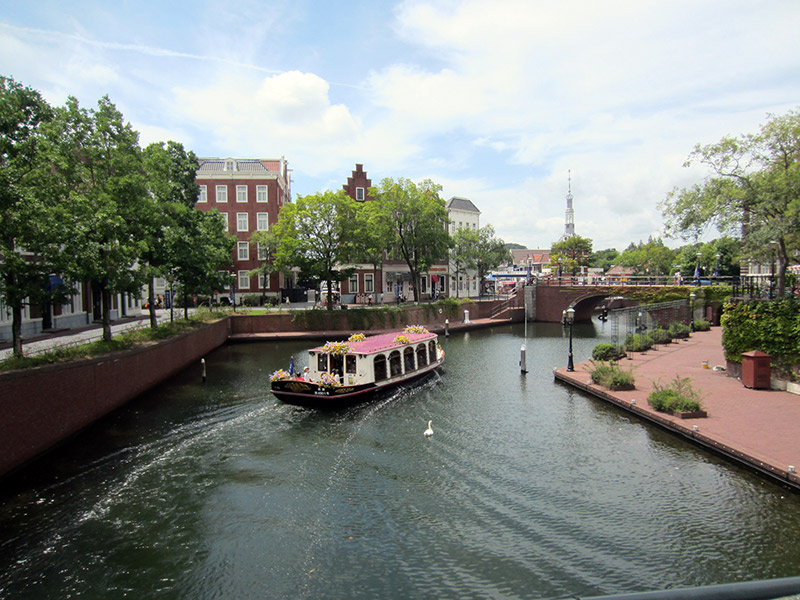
x: 170, y: 172
x: 651, y: 258
x: 753, y: 192
x: 267, y: 242
x: 100, y: 161
x: 365, y: 243
x: 464, y: 253
x: 571, y: 254
x: 311, y: 235
x: 490, y: 253
x: 413, y: 219
x: 199, y: 252
x: 603, y: 259
x: 29, y: 244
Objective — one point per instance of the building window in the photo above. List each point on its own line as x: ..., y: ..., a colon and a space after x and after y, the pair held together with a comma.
x: 353, y: 283
x: 244, y: 250
x: 369, y: 283
x: 224, y: 218
x: 222, y: 193
x: 241, y: 193
x: 262, y: 221
x: 244, y: 280
x: 262, y: 251
x: 241, y: 222
x: 230, y: 165
x: 261, y: 193
x: 360, y: 193
x: 261, y: 279
x: 202, y: 195
x: 423, y: 281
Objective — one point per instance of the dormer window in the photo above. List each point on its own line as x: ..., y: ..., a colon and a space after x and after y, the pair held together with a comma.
x: 230, y: 165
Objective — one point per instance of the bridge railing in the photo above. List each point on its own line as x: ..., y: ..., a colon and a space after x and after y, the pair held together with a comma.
x: 633, y: 280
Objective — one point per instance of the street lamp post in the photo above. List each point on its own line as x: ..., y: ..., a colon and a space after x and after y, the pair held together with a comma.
x: 570, y: 320
x: 691, y: 311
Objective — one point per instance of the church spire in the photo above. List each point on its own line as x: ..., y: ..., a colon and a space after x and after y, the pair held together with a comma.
x: 569, y: 225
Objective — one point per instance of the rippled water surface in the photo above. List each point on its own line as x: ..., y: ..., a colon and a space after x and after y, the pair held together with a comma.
x: 527, y: 489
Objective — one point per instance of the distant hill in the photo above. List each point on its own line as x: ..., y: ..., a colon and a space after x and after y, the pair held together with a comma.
x: 512, y: 246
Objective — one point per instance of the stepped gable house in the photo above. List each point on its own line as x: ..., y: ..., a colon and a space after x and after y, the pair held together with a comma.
x: 358, y: 184
x: 248, y: 193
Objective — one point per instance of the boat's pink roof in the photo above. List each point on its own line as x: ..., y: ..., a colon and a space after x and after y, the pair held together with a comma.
x: 382, y: 342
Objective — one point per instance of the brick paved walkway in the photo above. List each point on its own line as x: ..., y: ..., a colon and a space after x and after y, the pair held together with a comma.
x: 760, y: 428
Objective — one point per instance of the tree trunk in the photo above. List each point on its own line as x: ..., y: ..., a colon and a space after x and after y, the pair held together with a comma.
x: 151, y: 306
x: 16, y: 330
x: 106, y: 300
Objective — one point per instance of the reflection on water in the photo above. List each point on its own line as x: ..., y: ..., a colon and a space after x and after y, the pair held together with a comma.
x: 528, y: 489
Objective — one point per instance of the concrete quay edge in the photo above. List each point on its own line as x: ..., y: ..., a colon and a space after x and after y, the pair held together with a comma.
x: 752, y: 427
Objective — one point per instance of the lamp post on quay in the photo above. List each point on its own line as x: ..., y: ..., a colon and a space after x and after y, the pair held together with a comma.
x: 570, y: 320
x: 691, y: 311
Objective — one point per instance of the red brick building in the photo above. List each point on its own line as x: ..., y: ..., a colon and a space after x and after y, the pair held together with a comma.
x: 248, y: 193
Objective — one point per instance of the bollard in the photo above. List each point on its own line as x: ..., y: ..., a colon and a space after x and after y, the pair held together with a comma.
x: 523, y: 367
x: 446, y: 327
x: 203, y: 366
x: 466, y: 316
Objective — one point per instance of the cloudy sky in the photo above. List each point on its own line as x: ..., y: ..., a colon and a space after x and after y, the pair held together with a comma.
x: 496, y: 100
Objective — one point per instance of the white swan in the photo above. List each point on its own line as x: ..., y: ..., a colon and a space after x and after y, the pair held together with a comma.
x: 428, y: 431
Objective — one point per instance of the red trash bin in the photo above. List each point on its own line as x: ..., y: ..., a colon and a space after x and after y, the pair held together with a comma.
x: 756, y: 369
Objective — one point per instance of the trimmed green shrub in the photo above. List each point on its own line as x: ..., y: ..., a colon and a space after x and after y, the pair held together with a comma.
x: 607, y: 352
x: 659, y: 335
x: 611, y: 375
x: 702, y: 325
x: 676, y: 396
x: 678, y: 330
x: 638, y: 342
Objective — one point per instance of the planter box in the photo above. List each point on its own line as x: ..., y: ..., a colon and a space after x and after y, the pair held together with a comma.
x: 700, y: 414
x: 792, y: 387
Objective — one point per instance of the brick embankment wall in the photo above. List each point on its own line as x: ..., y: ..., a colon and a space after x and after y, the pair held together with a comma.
x: 43, y: 406
x: 365, y: 320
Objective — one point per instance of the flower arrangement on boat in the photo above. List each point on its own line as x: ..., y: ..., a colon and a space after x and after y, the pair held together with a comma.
x: 415, y: 329
x: 279, y: 375
x: 401, y: 339
x: 336, y: 348
x: 357, y: 337
x: 327, y: 380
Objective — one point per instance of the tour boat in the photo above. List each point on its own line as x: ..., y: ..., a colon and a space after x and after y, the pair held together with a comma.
x: 349, y: 372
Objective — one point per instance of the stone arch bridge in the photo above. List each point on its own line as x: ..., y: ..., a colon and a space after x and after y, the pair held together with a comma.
x: 546, y: 303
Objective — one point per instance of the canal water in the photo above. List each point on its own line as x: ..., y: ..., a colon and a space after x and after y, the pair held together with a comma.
x: 527, y: 489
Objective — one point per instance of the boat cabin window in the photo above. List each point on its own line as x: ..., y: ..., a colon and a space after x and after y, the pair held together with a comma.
x: 322, y: 362
x: 422, y: 355
x: 380, y: 367
x: 432, y: 350
x: 408, y: 359
x: 350, y: 363
x: 337, y: 364
x: 395, y: 366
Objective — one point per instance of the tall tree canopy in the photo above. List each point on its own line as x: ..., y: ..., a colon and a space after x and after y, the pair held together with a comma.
x: 170, y: 176
x: 412, y: 218
x: 490, y: 253
x: 464, y: 253
x: 649, y: 258
x: 28, y: 244
x: 105, y: 194
x: 312, y: 235
x: 753, y: 192
x: 571, y: 254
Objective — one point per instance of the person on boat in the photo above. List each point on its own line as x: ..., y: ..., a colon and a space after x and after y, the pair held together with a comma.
x: 306, y: 376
